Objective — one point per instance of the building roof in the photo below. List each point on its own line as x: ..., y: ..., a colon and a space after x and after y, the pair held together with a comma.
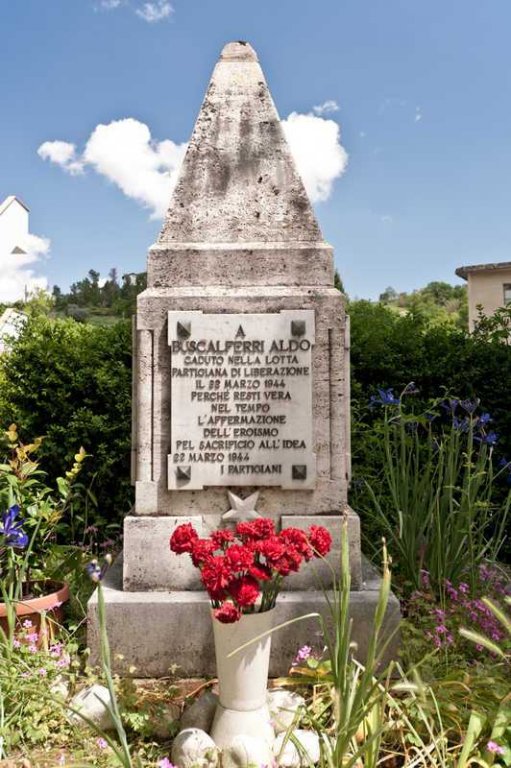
x: 464, y: 271
x: 10, y: 199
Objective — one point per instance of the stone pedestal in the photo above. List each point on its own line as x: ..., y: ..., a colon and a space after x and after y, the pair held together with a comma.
x: 241, y: 380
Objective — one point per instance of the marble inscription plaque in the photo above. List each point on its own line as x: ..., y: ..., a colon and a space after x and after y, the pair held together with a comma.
x: 241, y: 399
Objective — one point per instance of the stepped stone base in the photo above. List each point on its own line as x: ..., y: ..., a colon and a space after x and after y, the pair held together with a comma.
x: 154, y: 631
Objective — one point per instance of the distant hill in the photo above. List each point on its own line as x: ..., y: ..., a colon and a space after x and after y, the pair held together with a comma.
x: 438, y: 302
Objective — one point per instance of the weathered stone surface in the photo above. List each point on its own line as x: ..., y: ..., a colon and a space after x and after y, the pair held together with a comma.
x: 92, y: 702
x: 193, y: 748
x: 181, y: 631
x: 149, y: 563
x: 238, y: 182
x: 200, y: 714
x: 329, y: 402
x: 246, y: 752
x: 285, y: 709
x: 289, y: 756
x: 240, y: 237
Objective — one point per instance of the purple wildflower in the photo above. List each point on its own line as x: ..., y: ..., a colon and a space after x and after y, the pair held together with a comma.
x: 304, y: 653
x: 492, y: 746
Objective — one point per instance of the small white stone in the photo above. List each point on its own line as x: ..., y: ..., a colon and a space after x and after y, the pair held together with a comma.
x: 60, y: 687
x: 92, y: 703
x: 290, y: 757
x: 200, y: 714
x: 193, y: 748
x: 247, y: 752
x: 284, y: 709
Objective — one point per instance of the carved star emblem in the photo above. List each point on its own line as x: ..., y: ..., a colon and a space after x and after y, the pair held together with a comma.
x: 241, y: 509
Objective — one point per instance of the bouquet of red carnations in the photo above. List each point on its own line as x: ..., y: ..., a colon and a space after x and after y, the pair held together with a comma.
x: 242, y: 570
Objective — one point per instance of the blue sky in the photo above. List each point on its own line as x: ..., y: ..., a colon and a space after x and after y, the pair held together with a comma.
x: 423, y: 90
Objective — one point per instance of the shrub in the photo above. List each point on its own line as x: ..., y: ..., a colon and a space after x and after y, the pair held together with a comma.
x: 71, y: 383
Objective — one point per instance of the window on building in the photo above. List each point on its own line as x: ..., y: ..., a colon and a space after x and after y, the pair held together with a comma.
x: 507, y: 293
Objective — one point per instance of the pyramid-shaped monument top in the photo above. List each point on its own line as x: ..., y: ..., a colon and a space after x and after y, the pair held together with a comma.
x: 238, y: 182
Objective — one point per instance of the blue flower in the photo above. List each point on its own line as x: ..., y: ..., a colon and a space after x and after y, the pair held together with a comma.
x: 12, y: 529
x: 384, y: 397
x: 450, y: 404
x: 489, y: 438
x: 469, y: 405
x: 460, y: 424
x: 484, y: 419
x: 95, y: 571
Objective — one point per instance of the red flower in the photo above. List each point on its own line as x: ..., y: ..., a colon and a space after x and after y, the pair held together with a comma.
x: 244, y: 590
x: 247, y: 530
x: 183, y: 538
x: 260, y: 572
x: 228, y: 613
x: 320, y: 540
x: 222, y: 537
x: 239, y: 557
x: 216, y: 575
x: 297, y: 538
x: 202, y: 549
x: 290, y: 562
x: 264, y: 527
x: 272, y: 549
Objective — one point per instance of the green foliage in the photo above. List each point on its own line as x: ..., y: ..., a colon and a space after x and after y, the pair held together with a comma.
x: 71, y: 383
x: 389, y: 350
x: 438, y: 302
x: 435, y: 500
x: 92, y: 297
x: 30, y: 665
x: 40, y: 509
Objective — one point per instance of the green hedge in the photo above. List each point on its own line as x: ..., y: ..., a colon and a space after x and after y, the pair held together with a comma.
x: 389, y: 350
x: 71, y: 382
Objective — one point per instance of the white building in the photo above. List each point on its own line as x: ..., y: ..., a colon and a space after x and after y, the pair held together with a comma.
x: 13, y: 225
x: 18, y: 251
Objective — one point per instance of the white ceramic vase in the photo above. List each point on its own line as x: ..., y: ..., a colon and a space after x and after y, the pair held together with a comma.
x: 242, y: 679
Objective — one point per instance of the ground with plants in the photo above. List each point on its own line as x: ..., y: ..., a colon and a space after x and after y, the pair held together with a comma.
x: 432, y: 477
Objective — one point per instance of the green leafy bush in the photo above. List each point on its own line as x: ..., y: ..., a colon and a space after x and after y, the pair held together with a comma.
x: 71, y: 383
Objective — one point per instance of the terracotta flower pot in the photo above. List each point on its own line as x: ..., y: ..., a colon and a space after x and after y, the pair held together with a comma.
x: 56, y: 594
x: 242, y: 679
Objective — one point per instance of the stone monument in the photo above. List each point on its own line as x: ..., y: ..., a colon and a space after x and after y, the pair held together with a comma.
x: 241, y: 385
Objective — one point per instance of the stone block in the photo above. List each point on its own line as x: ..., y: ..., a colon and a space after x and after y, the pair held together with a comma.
x: 154, y: 630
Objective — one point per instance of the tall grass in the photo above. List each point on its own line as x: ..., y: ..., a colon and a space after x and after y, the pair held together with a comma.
x: 436, y: 501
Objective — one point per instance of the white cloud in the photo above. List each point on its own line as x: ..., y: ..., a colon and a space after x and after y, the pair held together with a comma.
x: 109, y: 5
x: 62, y: 153
x: 152, y: 12
x: 326, y: 108
x: 124, y: 152
x: 18, y: 276
x: 316, y: 147
x: 418, y: 115
x: 386, y: 218
x: 146, y: 170
x: 155, y: 11
x: 143, y: 169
